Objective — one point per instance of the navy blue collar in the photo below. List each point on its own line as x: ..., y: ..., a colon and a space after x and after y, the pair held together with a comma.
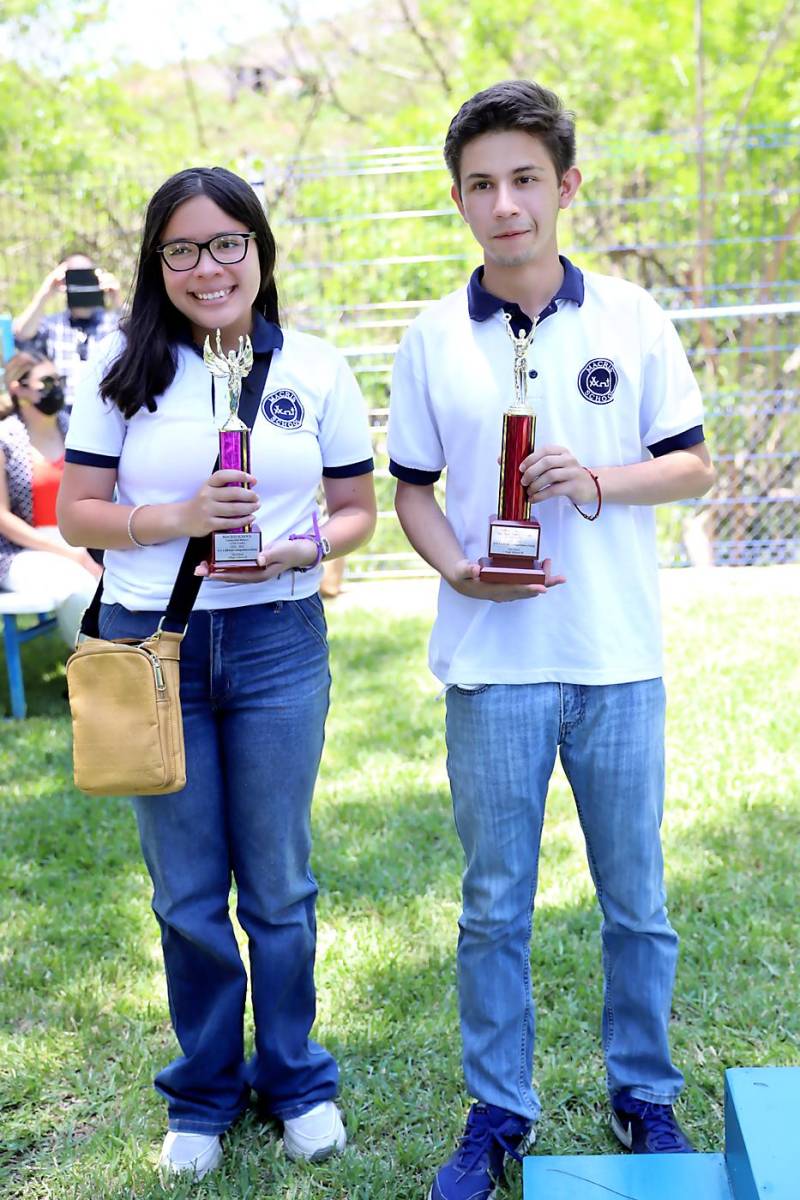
x: 265, y: 337
x: 483, y: 304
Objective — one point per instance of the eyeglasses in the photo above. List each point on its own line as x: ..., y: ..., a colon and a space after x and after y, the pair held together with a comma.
x: 225, y: 248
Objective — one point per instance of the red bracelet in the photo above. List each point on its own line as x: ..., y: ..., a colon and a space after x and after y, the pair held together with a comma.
x: 596, y: 513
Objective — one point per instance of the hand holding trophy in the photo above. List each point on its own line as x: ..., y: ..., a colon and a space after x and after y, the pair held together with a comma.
x: 514, y: 532
x: 233, y: 549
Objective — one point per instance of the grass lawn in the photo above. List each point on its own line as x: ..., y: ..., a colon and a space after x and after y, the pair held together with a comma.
x: 83, y: 1019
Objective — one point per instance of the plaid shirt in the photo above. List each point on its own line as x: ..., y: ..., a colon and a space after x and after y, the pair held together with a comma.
x: 66, y: 341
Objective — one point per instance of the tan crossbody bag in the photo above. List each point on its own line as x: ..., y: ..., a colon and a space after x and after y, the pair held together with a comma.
x: 124, y: 696
x: 127, y: 728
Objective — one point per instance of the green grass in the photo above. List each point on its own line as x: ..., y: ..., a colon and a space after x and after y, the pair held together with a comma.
x: 83, y: 1022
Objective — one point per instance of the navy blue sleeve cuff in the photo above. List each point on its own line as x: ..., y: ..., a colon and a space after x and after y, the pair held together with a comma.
x: 349, y: 470
x: 411, y: 475
x: 679, y: 441
x: 83, y: 458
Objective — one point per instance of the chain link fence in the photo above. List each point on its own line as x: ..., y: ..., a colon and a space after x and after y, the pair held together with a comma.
x: 747, y: 361
x: 750, y: 369
x: 366, y: 241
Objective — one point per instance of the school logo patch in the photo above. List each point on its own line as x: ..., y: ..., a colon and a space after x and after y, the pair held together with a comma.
x: 598, y: 381
x: 283, y: 408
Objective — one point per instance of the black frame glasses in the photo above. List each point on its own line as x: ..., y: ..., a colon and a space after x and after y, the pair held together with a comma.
x: 201, y: 246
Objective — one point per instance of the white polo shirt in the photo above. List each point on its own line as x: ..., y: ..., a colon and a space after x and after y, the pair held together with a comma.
x: 311, y: 423
x: 611, y: 382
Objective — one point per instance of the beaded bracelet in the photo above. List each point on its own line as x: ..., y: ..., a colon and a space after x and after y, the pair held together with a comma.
x: 596, y: 513
x: 139, y: 545
x: 314, y: 537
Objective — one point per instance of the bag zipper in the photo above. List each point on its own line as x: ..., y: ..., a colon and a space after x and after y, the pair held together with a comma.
x: 155, y: 662
x: 164, y: 730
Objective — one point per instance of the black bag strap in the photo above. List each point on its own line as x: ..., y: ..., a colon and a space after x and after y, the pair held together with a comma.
x: 187, y: 584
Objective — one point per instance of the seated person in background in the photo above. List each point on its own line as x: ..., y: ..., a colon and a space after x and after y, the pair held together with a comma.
x: 67, y: 337
x: 33, y: 555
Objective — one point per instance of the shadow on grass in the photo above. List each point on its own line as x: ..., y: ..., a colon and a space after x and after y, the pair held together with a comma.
x: 90, y: 1027
x: 405, y: 846
x: 396, y: 1035
x: 736, y: 911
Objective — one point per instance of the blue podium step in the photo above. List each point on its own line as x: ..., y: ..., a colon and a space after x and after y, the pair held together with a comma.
x: 761, y: 1160
x: 632, y: 1176
x: 762, y: 1132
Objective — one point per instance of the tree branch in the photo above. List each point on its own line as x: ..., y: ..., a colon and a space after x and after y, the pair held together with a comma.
x: 774, y: 42
x: 426, y: 46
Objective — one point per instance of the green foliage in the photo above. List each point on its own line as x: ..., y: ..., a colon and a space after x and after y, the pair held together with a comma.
x: 629, y: 71
x: 691, y: 192
x: 55, y: 119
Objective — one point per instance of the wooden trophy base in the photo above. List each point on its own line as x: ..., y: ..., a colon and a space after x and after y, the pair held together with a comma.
x: 223, y: 568
x: 525, y: 572
x: 513, y: 553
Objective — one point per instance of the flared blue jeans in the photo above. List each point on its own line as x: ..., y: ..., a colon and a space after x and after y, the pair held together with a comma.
x: 254, y: 694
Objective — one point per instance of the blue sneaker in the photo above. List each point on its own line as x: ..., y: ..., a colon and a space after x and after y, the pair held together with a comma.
x: 476, y: 1168
x: 647, y: 1128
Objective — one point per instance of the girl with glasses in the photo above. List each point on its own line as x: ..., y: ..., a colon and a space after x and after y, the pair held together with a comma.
x: 254, y: 663
x: 34, y: 558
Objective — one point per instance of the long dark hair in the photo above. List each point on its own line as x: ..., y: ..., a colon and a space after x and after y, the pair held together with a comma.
x: 147, y: 364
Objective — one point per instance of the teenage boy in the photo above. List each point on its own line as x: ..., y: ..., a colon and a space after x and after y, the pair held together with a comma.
x: 532, y: 671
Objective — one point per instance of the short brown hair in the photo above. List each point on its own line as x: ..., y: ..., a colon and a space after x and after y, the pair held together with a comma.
x: 514, y: 104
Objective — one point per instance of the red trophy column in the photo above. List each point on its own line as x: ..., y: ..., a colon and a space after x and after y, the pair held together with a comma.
x: 514, y: 534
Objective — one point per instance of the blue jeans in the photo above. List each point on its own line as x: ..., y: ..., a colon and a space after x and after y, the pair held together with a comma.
x: 254, y: 693
x: 502, y: 742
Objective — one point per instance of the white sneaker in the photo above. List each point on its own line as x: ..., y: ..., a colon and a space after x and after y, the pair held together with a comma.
x: 185, y: 1153
x: 315, y: 1135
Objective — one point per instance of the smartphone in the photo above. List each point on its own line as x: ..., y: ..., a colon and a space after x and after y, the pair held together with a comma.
x: 83, y: 290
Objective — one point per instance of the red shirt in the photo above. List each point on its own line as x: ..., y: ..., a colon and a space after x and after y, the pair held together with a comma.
x: 45, y: 484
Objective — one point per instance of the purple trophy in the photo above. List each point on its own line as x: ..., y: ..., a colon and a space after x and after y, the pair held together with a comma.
x: 233, y: 549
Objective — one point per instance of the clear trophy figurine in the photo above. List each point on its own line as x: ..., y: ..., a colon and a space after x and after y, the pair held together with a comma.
x: 514, y: 533
x: 233, y: 549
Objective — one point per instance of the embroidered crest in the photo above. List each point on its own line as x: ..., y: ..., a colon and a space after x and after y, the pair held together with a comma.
x: 283, y: 408
x: 598, y: 381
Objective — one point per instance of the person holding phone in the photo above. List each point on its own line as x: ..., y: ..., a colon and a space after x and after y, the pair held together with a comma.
x: 67, y: 337
x: 139, y: 481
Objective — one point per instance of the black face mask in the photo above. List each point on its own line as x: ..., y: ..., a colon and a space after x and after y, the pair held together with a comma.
x: 50, y: 399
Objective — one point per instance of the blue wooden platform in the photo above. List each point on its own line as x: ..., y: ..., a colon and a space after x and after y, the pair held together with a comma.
x: 634, y: 1176
x: 761, y: 1160
x: 762, y: 1132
